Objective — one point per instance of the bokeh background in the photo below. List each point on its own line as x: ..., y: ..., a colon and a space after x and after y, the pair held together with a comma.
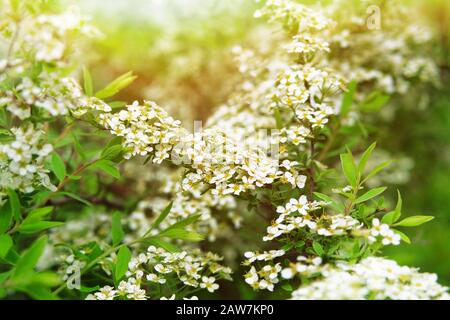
x: 181, y: 52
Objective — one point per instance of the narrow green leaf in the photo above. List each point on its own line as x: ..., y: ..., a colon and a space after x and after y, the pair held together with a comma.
x: 38, y: 292
x: 112, y: 152
x: 37, y: 214
x: 414, y: 221
x: 121, y: 267
x: 58, y: 167
x: 33, y: 227
x: 108, y: 167
x: 5, y: 244
x: 87, y: 80
x: 159, y: 243
x: 370, y: 194
x: 74, y: 196
x: 318, y: 248
x: 365, y: 157
x: 377, y: 169
x: 23, y: 270
x: 391, y: 217
x: 349, y: 168
x: 185, y: 222
x: 163, y: 215
x: 182, y: 234
x: 404, y: 237
x: 14, y: 204
x: 278, y: 120
x: 339, y: 207
x: 5, y: 217
x: 374, y: 102
x: 116, y: 85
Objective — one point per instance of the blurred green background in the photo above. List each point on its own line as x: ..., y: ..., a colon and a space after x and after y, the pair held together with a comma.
x: 180, y: 49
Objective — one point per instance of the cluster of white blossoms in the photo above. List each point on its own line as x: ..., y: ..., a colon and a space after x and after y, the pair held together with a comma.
x: 193, y: 269
x: 372, y: 278
x: 212, y: 156
x: 52, y: 93
x: 267, y: 276
x: 45, y: 35
x: 384, y: 232
x: 298, y: 214
x: 392, y: 55
x: 22, y: 160
x: 294, y: 16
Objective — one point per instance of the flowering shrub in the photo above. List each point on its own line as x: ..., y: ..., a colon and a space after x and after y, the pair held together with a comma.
x: 105, y: 200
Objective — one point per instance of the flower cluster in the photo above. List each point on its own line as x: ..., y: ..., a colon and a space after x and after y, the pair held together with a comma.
x: 372, y: 278
x: 267, y: 276
x: 158, y: 266
x: 46, y: 35
x: 213, y: 157
x: 383, y: 231
x: 22, y: 160
x: 52, y: 93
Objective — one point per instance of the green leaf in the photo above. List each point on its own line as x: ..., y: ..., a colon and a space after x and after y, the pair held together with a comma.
x: 33, y: 227
x: 404, y: 237
x: 414, y: 221
x: 108, y: 167
x: 116, y: 85
x: 370, y: 194
x: 5, y: 244
x: 5, y: 217
x: 318, y: 248
x: 182, y: 234
x: 14, y: 204
x: 58, y: 167
x: 393, y: 216
x: 349, y: 168
x: 377, y: 169
x: 163, y: 215
x: 74, y: 196
x: 339, y: 207
x: 287, y: 287
x: 123, y: 257
x: 89, y: 289
x: 38, y: 214
x: 112, y: 152
x: 347, y: 100
x: 278, y: 120
x: 88, y: 85
x: 374, y: 102
x: 159, y: 243
x: 365, y: 157
x: 116, y: 229
x: 185, y: 222
x: 23, y: 270
x: 38, y: 292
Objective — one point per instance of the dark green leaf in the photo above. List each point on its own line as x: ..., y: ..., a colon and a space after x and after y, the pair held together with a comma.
x: 5, y: 244
x: 121, y: 267
x: 23, y: 270
x: 58, y: 167
x: 14, y: 204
